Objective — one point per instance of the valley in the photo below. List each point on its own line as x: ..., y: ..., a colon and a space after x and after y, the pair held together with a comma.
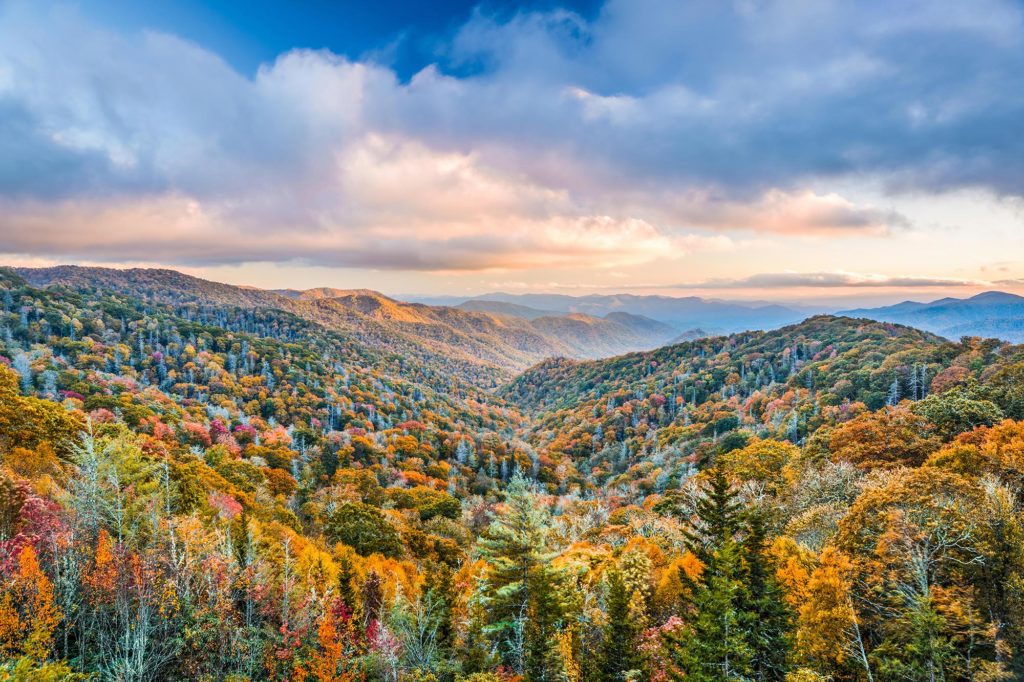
x: 511, y: 341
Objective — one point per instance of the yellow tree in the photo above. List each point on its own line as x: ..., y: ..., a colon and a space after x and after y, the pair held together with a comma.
x: 916, y: 539
x: 826, y: 621
x: 890, y: 437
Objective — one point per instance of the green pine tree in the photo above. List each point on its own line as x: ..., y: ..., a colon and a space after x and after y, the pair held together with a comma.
x: 519, y: 586
x: 717, y: 644
x: 718, y: 518
x: 767, y: 617
x: 545, y: 615
x: 439, y: 582
x: 716, y: 647
x: 619, y: 652
x: 346, y: 576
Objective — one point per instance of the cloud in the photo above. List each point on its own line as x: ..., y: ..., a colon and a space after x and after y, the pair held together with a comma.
x: 829, y: 280
x: 452, y: 215
x: 540, y: 140
x: 751, y: 96
x: 783, y: 213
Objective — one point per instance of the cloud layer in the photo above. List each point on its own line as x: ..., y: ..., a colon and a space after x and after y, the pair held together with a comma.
x: 542, y: 140
x: 831, y: 280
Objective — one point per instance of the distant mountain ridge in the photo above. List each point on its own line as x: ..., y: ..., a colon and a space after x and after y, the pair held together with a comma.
x: 996, y: 314
x: 504, y: 308
x: 689, y: 312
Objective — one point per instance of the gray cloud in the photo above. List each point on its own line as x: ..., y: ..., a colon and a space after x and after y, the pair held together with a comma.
x: 750, y: 95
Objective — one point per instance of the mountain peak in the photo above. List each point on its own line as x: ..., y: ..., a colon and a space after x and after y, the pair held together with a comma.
x: 995, y: 297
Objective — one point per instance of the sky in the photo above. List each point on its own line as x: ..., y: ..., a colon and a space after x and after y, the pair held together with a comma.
x: 817, y: 151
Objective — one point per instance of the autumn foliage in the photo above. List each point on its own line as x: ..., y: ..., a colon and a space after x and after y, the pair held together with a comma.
x: 193, y: 489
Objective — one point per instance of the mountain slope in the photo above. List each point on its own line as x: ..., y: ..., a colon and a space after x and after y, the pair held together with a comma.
x: 165, y: 286
x: 219, y: 462
x: 678, y: 400
x: 482, y: 347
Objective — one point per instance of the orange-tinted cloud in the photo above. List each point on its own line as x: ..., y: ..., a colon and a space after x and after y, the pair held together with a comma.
x: 830, y: 280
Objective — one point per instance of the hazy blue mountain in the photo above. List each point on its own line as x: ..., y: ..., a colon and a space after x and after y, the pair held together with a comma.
x: 691, y: 335
x: 643, y: 324
x: 680, y: 312
x: 503, y: 308
x: 990, y: 314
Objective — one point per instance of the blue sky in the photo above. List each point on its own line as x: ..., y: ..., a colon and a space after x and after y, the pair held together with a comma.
x: 787, y: 149
x: 405, y: 35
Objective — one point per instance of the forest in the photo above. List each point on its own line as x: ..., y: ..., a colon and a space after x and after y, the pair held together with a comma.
x: 197, y: 485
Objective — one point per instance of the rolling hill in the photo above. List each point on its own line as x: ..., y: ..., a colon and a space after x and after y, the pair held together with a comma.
x: 202, y: 455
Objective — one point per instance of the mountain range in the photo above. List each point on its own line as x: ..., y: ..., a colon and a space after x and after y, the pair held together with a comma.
x: 993, y: 314
x: 683, y: 313
x: 509, y: 332
x: 280, y: 483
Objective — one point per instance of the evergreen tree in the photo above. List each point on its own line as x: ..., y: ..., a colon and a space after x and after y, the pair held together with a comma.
x: 545, y: 615
x: 619, y: 653
x: 717, y: 645
x: 718, y: 518
x: 768, y: 619
x: 519, y: 586
x: 346, y: 577
x: 439, y: 583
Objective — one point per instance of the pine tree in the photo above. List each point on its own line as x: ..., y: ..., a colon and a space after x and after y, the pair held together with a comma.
x: 439, y: 584
x: 768, y: 619
x: 619, y: 652
x: 545, y: 614
x: 519, y: 587
x: 717, y: 518
x: 717, y: 646
x: 346, y: 577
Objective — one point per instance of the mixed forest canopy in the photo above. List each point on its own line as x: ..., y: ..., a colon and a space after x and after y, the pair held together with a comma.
x: 205, y: 482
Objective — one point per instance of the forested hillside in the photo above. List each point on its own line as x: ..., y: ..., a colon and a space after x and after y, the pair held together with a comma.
x: 207, y: 482
x: 484, y: 347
